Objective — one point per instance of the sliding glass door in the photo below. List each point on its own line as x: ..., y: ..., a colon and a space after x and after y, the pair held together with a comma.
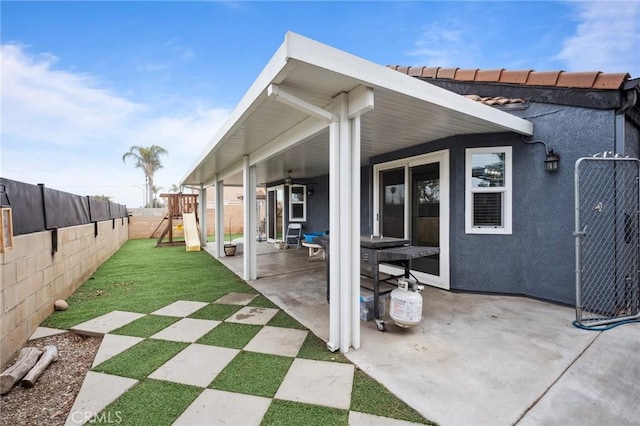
x: 412, y: 201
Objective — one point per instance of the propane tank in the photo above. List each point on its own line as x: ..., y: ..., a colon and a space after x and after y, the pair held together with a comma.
x: 406, y: 304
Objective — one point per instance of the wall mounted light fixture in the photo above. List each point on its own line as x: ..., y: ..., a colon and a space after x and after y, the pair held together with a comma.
x: 552, y: 160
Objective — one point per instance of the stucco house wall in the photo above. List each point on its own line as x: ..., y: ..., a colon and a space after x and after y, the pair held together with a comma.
x: 538, y: 258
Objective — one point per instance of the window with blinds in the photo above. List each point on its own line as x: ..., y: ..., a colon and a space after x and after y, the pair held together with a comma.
x: 488, y: 190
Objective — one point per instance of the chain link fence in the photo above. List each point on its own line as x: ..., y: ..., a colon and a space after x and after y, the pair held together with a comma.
x: 607, y: 205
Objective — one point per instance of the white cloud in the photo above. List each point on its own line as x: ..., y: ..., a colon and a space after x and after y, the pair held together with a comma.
x: 607, y: 38
x: 63, y: 129
x: 444, y: 45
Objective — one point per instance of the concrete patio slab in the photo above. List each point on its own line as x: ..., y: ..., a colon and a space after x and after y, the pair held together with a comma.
x: 112, y: 345
x: 46, y: 332
x: 474, y: 359
x: 98, y: 390
x: 236, y: 298
x: 196, y: 365
x: 186, y: 330
x: 181, y: 308
x: 277, y: 341
x: 252, y: 315
x: 106, y: 323
x: 362, y: 419
x: 214, y: 407
x: 318, y: 382
x: 601, y: 387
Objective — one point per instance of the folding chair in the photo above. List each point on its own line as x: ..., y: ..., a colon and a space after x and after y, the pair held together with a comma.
x: 294, y: 234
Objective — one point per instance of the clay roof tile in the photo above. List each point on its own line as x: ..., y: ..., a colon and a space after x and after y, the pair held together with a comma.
x: 448, y: 73
x: 515, y: 77
x: 465, y: 75
x: 546, y: 78
x: 416, y: 71
x: 610, y: 81
x: 430, y: 72
x: 582, y: 80
x: 489, y: 75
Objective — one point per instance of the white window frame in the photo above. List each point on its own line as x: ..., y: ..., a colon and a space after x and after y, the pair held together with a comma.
x: 303, y: 203
x: 507, y: 191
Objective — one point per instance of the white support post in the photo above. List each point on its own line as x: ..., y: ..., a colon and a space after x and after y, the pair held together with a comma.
x: 334, y: 246
x: 250, y: 220
x: 219, y: 206
x: 344, y: 236
x: 355, y: 231
x: 202, y: 212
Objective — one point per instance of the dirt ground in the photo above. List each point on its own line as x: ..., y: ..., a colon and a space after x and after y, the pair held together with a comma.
x: 52, y: 397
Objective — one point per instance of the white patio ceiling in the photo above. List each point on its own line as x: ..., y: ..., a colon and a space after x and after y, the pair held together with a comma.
x: 407, y: 112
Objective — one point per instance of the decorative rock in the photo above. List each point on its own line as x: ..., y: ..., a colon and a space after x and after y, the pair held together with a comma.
x: 61, y: 305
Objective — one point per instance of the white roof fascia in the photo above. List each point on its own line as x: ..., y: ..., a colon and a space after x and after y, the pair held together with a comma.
x: 367, y: 73
x: 372, y: 74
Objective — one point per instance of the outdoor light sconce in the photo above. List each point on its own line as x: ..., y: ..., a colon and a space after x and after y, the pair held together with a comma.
x: 552, y: 161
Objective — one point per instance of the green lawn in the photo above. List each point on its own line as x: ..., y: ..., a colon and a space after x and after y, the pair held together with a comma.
x: 142, y: 278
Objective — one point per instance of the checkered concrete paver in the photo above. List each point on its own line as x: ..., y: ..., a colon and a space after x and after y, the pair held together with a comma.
x: 215, y: 407
x: 106, y: 323
x: 186, y: 330
x: 236, y: 298
x: 318, y: 382
x: 98, y: 390
x: 196, y: 365
x: 112, y: 345
x: 253, y: 315
x: 181, y: 308
x: 277, y: 341
x: 311, y: 382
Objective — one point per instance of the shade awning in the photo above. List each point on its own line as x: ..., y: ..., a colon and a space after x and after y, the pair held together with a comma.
x: 278, y: 137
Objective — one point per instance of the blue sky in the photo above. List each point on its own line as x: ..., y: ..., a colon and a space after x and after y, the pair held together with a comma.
x: 83, y: 81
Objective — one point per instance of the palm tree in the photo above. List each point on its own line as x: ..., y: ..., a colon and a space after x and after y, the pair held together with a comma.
x: 148, y: 159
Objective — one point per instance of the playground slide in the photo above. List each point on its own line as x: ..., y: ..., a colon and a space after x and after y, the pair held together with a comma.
x: 191, y: 234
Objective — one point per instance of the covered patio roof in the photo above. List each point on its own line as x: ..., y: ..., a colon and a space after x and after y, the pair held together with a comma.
x: 316, y: 110
x: 403, y: 111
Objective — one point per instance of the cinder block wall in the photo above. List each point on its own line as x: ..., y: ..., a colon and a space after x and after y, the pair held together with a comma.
x: 32, y: 279
x: 144, y: 221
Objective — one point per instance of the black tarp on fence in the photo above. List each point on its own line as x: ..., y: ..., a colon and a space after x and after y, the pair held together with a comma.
x: 99, y: 210
x: 37, y: 208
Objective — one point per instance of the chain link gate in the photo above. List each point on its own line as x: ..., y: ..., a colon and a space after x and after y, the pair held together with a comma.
x: 607, y: 213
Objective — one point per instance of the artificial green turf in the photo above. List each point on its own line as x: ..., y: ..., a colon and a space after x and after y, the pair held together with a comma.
x: 150, y: 402
x: 254, y: 374
x: 262, y: 302
x: 230, y: 335
x: 282, y: 319
x: 216, y: 312
x: 146, y: 326
x: 142, y: 278
x: 314, y: 348
x: 369, y: 396
x: 142, y: 359
x: 283, y: 413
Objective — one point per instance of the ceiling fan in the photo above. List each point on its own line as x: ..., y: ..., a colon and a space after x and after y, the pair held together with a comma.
x: 289, y: 180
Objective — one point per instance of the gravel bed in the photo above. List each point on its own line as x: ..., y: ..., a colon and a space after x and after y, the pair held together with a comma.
x: 51, y: 399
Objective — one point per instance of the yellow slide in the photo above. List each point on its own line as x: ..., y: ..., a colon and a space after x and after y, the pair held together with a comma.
x: 191, y: 234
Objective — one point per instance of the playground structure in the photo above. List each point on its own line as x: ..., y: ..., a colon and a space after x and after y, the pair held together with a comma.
x: 182, y: 209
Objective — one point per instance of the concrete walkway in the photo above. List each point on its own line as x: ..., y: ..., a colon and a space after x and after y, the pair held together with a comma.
x: 477, y: 359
